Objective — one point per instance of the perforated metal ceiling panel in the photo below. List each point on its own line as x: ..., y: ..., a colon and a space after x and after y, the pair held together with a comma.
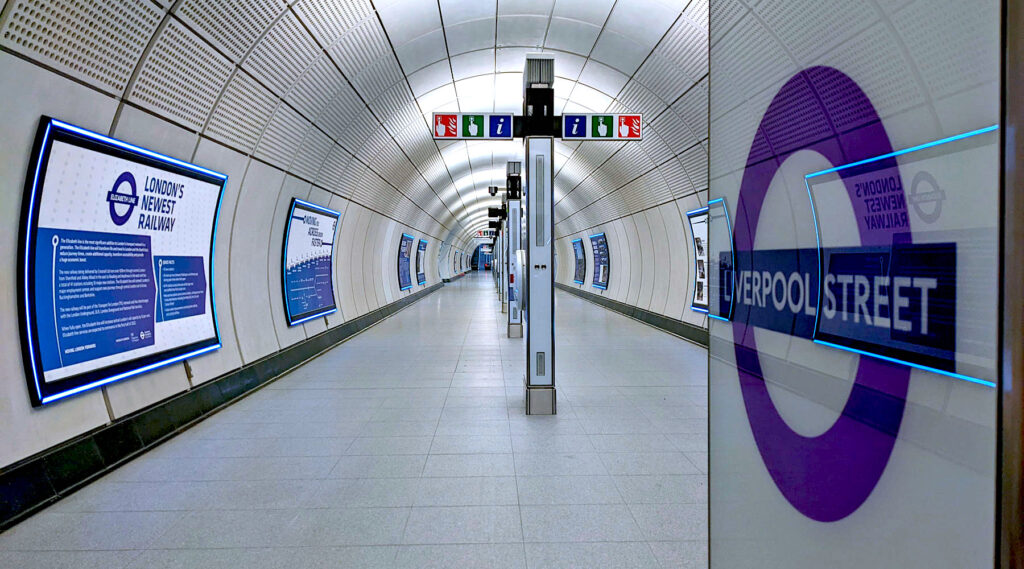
x: 340, y: 92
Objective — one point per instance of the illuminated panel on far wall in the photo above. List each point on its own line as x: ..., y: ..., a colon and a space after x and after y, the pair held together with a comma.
x: 698, y: 219
x: 404, y: 253
x: 116, y: 265
x: 307, y: 264
x: 602, y: 261
x: 580, y: 269
x: 421, y: 254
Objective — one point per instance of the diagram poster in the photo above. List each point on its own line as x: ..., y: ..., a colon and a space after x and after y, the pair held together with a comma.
x: 699, y: 231
x: 116, y: 264
x: 602, y: 262
x: 421, y: 253
x: 308, y: 262
x: 581, y: 261
x: 404, y: 253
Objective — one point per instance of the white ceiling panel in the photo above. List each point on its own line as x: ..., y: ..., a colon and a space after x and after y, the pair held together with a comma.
x: 536, y: 7
x: 430, y: 77
x: 522, y: 30
x: 408, y: 19
x: 470, y: 36
x: 603, y: 78
x: 619, y: 52
x: 572, y: 35
x: 421, y: 51
x: 473, y: 63
x: 590, y: 11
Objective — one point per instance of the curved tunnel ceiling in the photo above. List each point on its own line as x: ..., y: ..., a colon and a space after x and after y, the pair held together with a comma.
x: 340, y: 92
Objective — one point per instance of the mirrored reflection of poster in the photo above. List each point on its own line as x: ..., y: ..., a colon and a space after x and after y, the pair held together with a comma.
x: 421, y: 253
x: 117, y: 246
x: 602, y: 262
x: 308, y: 262
x: 699, y: 231
x: 404, y: 254
x: 580, y: 271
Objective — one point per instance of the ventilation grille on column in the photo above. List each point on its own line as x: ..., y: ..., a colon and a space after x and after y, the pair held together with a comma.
x: 540, y: 71
x: 97, y: 41
x: 182, y: 76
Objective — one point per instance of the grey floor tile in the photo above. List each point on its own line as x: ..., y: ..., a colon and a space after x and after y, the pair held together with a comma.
x: 471, y: 444
x: 366, y: 493
x: 579, y: 523
x: 664, y: 489
x: 347, y: 526
x: 539, y: 443
x: 463, y: 524
x: 672, y: 522
x: 482, y: 556
x: 681, y: 554
x: 467, y: 491
x: 389, y: 445
x: 553, y: 464
x: 67, y: 559
x: 88, y: 531
x: 450, y: 465
x: 386, y: 466
x: 640, y: 463
x: 548, y: 490
x: 624, y: 555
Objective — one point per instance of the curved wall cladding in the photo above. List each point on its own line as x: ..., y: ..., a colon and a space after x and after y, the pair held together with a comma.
x: 195, y: 85
x: 325, y: 100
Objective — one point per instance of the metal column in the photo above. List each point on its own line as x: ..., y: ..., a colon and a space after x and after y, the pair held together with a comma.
x: 540, y: 311
x: 1010, y: 421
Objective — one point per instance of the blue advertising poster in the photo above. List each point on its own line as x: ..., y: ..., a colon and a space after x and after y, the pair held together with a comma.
x: 116, y: 272
x: 404, y: 254
x: 602, y: 263
x: 580, y: 271
x: 308, y: 262
x: 421, y: 253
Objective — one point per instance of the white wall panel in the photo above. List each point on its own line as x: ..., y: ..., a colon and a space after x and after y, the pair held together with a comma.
x: 254, y: 213
x: 34, y: 92
x: 636, y: 258
x: 358, y: 286
x: 341, y: 256
x: 680, y: 271
x: 619, y: 260
x: 217, y: 157
x: 687, y: 204
x: 664, y: 250
x: 649, y: 260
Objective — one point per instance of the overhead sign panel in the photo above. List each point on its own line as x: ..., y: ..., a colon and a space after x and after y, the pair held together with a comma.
x: 602, y: 127
x: 117, y: 261
x: 472, y: 126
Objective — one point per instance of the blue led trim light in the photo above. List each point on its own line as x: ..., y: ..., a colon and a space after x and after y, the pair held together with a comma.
x: 906, y: 363
x: 128, y: 374
x: 136, y: 149
x: 31, y: 219
x: 316, y: 207
x: 906, y: 150
x: 732, y: 249
x: 821, y: 268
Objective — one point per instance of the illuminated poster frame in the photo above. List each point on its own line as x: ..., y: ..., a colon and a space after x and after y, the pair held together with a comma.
x: 580, y: 254
x: 404, y: 254
x: 294, y: 318
x: 602, y: 261
x: 698, y: 219
x: 51, y: 131
x: 421, y: 254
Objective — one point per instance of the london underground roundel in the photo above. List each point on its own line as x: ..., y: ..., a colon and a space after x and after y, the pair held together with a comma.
x: 829, y: 476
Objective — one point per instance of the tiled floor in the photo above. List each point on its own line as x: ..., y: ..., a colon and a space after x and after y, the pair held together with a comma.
x: 408, y: 447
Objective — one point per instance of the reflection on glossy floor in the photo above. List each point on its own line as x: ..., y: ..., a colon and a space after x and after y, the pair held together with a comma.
x: 408, y: 447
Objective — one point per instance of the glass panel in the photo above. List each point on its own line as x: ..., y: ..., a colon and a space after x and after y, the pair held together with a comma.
x: 853, y: 147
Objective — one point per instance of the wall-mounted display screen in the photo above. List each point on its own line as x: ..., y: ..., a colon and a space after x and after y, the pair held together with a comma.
x: 580, y: 271
x: 421, y: 253
x: 404, y: 254
x: 698, y: 219
x: 602, y: 263
x: 308, y: 262
x: 116, y: 266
